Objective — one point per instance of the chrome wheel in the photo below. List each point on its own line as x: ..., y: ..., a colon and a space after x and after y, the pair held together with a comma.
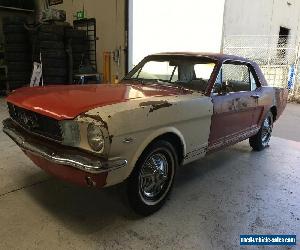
x: 155, y: 177
x: 152, y: 179
x: 266, y: 131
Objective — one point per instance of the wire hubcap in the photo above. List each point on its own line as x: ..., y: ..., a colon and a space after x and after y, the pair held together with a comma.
x: 154, y: 176
x: 266, y: 131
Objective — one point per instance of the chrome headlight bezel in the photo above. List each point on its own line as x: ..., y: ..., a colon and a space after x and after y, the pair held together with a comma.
x: 95, y: 137
x: 70, y: 133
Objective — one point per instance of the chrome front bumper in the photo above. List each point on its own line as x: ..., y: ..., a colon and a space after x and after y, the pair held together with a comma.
x: 59, y: 154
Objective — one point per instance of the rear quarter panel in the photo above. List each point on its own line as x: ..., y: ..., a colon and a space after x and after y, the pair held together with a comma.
x: 270, y: 97
x: 280, y: 100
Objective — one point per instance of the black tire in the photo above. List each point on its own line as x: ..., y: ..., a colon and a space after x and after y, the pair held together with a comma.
x: 19, y: 66
x: 14, y: 28
x: 17, y: 57
x: 50, y: 28
x: 76, y: 65
x: 77, y: 42
x: 78, y: 60
x: 14, y: 20
x: 17, y: 47
x: 50, y: 63
x: 46, y: 36
x: 54, y: 80
x: 83, y: 40
x: 261, y: 140
x: 79, y: 48
x: 12, y: 85
x: 19, y: 76
x: 57, y: 72
x: 2, y: 88
x: 57, y: 54
x: 16, y: 38
x: 78, y: 57
x: 76, y: 69
x: 51, y: 45
x: 145, y: 203
x: 76, y: 34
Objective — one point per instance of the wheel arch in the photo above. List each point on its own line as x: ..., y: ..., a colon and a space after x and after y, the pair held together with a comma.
x: 170, y: 134
x: 273, y: 110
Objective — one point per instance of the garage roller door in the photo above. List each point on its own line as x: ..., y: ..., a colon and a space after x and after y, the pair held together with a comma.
x: 174, y: 25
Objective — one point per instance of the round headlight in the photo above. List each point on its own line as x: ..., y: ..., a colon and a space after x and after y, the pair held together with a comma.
x: 95, y: 137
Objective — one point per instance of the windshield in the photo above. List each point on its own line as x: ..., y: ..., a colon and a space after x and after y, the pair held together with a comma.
x: 190, y: 74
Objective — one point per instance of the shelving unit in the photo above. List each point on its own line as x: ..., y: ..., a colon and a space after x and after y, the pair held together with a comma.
x: 89, y: 25
x: 3, y: 79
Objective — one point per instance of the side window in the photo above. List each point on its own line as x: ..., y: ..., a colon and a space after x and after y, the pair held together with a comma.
x: 195, y: 76
x: 234, y: 78
x: 203, y: 71
x: 218, y: 83
x: 253, y: 82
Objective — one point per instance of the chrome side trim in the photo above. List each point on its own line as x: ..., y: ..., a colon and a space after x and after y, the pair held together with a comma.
x: 197, y: 152
x: 60, y: 154
x: 234, y: 138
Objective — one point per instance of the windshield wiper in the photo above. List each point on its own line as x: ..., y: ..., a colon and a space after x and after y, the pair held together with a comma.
x: 144, y: 80
x: 176, y: 85
x: 172, y: 84
x: 139, y: 80
x: 162, y: 80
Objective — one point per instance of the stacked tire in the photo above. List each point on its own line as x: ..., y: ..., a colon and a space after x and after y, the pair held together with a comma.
x: 50, y: 43
x: 17, y: 52
x: 78, y: 42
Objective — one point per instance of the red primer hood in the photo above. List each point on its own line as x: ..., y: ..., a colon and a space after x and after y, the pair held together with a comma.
x: 68, y: 101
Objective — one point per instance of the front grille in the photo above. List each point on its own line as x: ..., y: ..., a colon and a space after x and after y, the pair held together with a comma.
x: 36, y: 123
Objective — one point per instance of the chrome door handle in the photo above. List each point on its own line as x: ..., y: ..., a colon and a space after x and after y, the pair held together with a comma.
x: 255, y: 96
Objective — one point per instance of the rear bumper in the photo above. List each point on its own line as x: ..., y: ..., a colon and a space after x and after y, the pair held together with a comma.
x: 70, y: 164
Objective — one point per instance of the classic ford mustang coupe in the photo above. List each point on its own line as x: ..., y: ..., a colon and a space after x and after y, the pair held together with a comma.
x: 170, y: 110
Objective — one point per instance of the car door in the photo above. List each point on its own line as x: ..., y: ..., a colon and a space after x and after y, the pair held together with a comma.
x: 234, y: 101
x: 261, y: 96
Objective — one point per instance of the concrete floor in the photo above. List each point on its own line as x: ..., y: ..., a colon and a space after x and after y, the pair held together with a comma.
x: 232, y: 192
x: 288, y: 126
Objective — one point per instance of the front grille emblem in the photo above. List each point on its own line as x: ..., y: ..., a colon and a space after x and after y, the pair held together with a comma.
x: 35, y: 122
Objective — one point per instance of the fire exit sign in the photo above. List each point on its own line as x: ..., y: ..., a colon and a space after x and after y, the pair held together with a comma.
x: 80, y: 14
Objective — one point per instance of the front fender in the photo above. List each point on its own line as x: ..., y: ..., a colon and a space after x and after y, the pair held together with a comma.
x: 155, y: 134
x: 134, y: 125
x: 120, y: 175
